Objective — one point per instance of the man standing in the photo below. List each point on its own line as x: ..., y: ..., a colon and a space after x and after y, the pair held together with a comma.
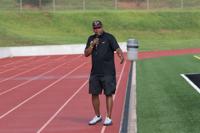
x: 101, y: 45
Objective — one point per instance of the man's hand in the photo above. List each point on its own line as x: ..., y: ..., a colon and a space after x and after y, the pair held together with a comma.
x: 122, y: 60
x: 89, y: 50
x: 120, y: 55
x: 94, y: 42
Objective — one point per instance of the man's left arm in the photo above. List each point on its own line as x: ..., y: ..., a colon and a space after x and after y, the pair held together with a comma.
x: 115, y: 47
x: 120, y: 55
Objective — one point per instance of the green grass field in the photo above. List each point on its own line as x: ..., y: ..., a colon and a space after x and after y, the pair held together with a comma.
x: 166, y: 103
x: 154, y: 29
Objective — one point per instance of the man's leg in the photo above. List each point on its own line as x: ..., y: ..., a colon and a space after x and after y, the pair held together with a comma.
x: 96, y: 104
x: 109, y: 105
x: 109, y: 90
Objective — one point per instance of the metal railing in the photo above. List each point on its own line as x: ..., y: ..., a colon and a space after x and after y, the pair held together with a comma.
x: 61, y: 5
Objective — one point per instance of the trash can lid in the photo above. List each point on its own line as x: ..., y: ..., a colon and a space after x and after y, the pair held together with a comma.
x: 132, y: 43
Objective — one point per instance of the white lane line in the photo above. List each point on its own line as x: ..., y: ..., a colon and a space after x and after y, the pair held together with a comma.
x: 29, y: 70
x: 191, y: 83
x: 36, y: 94
x: 23, y: 72
x: 60, y: 109
x: 16, y: 62
x: 63, y: 56
x: 16, y: 67
x: 119, y: 80
x: 4, y: 92
x: 197, y: 57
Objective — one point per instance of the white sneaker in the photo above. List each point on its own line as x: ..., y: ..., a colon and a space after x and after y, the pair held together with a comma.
x: 95, y: 120
x: 107, y: 122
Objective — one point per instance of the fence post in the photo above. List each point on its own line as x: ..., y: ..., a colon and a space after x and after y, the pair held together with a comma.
x: 182, y: 4
x: 116, y: 2
x: 21, y: 5
x: 40, y: 4
x: 54, y: 5
x: 148, y: 5
x: 83, y: 4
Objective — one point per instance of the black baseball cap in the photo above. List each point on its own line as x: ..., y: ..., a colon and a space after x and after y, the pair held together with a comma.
x: 97, y: 24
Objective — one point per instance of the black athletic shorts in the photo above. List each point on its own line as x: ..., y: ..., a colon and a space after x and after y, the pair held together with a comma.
x: 106, y: 83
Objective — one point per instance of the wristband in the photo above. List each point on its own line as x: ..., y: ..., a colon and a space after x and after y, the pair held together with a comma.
x: 91, y: 46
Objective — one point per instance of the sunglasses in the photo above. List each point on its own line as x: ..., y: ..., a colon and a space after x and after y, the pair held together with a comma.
x: 96, y: 27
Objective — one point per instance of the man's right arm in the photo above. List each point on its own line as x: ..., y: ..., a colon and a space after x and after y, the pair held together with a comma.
x: 88, y: 50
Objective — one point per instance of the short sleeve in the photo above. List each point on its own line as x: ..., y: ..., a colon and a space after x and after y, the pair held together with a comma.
x: 113, y: 43
x: 88, y: 43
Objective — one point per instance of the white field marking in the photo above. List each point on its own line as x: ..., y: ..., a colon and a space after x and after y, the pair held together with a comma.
x: 4, y: 92
x: 36, y: 94
x: 191, y: 83
x: 22, y: 65
x: 119, y: 80
x: 16, y: 62
x: 197, y: 57
x: 60, y: 109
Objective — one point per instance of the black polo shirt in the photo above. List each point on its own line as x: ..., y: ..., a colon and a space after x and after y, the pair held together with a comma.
x: 103, y: 54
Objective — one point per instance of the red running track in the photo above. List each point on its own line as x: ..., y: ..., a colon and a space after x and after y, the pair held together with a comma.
x: 49, y: 94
